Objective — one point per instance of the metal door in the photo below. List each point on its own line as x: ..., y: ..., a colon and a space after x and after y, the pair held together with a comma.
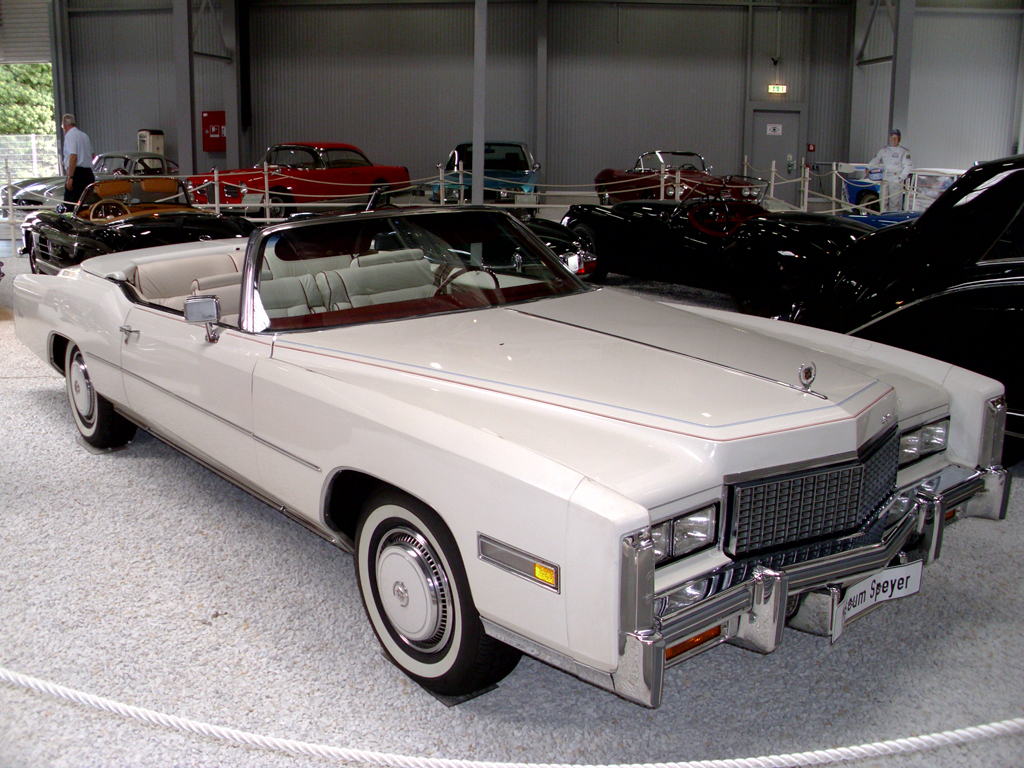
x: 777, y: 137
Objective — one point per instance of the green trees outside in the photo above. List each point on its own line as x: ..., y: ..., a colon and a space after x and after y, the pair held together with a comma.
x: 26, y: 99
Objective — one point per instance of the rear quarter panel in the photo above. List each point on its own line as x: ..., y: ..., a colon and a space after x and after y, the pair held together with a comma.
x: 82, y: 308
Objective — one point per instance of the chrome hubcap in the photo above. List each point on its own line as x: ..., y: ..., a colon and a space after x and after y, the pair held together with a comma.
x: 413, y: 589
x: 81, y: 389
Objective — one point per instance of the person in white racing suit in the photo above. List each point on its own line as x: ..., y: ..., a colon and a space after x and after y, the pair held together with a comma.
x: 896, y: 166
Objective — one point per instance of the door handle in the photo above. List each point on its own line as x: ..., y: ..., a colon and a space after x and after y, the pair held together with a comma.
x: 127, y: 331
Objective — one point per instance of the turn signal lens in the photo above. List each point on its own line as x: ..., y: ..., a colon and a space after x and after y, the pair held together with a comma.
x: 693, y: 642
x: 543, y: 573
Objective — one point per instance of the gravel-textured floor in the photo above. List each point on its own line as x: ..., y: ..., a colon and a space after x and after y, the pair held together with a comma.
x: 141, y: 577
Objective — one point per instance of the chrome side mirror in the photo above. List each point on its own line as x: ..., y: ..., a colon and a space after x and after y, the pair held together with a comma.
x: 203, y: 310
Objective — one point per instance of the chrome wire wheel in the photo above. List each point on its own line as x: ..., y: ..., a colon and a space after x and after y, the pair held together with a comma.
x: 413, y: 588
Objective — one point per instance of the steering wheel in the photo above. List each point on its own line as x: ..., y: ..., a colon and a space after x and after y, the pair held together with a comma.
x: 456, y: 272
x: 712, y: 217
x: 688, y: 167
x: 107, y: 208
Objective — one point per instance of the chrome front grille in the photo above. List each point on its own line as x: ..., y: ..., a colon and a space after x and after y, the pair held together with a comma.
x: 802, y: 507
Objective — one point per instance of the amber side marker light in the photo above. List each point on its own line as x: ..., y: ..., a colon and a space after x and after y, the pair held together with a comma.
x: 951, y: 514
x: 545, y: 574
x: 693, y: 642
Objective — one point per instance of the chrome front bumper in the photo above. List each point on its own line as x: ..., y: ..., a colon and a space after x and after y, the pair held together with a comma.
x: 753, y: 614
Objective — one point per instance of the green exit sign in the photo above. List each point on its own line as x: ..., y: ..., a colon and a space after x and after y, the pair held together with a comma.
x: 776, y: 89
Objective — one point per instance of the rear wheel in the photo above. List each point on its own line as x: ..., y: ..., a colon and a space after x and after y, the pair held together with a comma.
x: 279, y: 205
x: 95, y: 417
x: 417, y: 597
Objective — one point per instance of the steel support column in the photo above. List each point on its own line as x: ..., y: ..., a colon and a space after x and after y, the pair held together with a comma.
x: 479, y: 99
x: 184, y: 84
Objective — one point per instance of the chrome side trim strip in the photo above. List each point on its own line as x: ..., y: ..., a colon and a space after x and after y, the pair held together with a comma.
x: 222, y: 420
x: 223, y: 472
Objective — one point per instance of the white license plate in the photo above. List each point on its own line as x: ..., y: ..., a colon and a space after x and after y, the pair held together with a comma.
x: 890, y: 584
x: 253, y: 198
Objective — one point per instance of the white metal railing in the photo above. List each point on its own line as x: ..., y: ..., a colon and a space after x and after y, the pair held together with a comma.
x: 259, y: 203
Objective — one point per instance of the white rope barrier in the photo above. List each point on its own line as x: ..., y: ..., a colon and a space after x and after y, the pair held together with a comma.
x: 957, y: 737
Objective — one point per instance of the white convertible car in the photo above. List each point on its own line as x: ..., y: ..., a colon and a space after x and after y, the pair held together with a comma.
x: 519, y: 462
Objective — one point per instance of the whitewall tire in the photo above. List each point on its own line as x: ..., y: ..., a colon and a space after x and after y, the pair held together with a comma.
x: 417, y: 597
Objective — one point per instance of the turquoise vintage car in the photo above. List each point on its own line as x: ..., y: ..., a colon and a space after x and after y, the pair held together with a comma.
x: 510, y: 172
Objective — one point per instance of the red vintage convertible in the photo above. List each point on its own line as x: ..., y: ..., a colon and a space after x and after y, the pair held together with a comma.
x: 663, y: 175
x: 298, y: 173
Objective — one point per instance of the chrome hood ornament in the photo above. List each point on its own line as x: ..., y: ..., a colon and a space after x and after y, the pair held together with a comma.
x: 807, y: 374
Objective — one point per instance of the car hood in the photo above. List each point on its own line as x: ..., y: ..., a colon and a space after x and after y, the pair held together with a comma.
x: 605, y: 354
x: 652, y: 401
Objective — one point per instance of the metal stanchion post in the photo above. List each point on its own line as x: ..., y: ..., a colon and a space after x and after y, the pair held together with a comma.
x: 10, y: 207
x: 440, y: 183
x: 462, y: 184
x: 266, y: 190
x: 216, y: 191
x: 805, y: 183
x: 661, y: 182
x: 771, y: 184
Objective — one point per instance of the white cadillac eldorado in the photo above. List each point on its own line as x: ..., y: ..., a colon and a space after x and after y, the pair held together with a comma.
x: 521, y: 463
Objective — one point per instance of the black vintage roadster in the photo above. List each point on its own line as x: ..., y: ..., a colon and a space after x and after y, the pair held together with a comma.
x: 120, y: 215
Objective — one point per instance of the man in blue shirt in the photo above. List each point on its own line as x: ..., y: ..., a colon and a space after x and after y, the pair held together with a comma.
x: 77, y: 160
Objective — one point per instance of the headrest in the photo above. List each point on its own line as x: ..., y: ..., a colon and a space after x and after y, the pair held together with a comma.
x: 387, y: 257
x: 112, y: 188
x: 160, y: 185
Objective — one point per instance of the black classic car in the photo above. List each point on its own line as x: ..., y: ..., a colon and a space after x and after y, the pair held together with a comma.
x: 121, y: 215
x: 949, y: 285
x: 691, y: 242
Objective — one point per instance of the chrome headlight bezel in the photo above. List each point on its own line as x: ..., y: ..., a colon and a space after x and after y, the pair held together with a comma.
x: 685, y: 534
x: 923, y: 441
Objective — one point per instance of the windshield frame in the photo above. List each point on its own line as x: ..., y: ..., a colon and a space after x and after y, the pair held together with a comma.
x: 561, y: 281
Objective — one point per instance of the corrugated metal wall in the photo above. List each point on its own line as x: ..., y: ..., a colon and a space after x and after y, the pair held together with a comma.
x: 123, y: 76
x: 397, y: 81
x: 963, y: 91
x: 871, y: 85
x: 24, y: 31
x: 829, y: 81
x: 624, y: 79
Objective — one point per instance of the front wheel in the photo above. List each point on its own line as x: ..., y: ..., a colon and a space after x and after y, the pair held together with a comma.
x: 417, y: 597
x: 95, y: 417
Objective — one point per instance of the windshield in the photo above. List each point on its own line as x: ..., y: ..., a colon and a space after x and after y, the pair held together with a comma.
x: 497, y: 157
x: 361, y: 269
x: 684, y: 161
